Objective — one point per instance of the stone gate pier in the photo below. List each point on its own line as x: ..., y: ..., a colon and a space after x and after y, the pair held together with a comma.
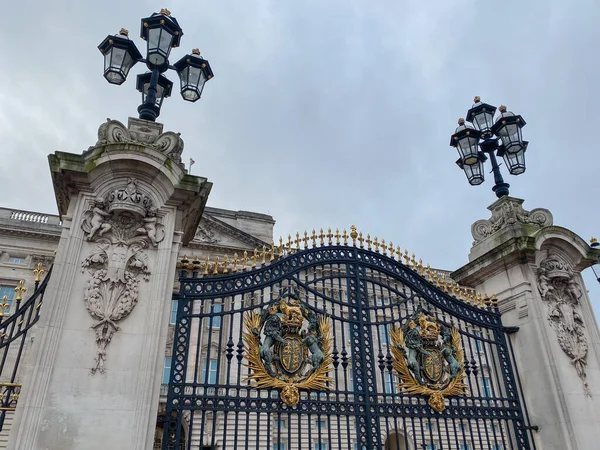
x: 93, y: 376
x: 534, y: 267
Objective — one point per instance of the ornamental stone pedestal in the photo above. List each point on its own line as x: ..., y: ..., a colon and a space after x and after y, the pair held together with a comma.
x: 127, y: 204
x: 535, y: 270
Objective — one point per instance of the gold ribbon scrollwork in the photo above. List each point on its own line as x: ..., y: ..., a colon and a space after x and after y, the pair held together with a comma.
x: 424, y: 363
x: 288, y: 347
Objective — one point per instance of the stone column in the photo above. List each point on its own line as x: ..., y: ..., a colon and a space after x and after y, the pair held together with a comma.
x: 535, y: 270
x: 127, y: 204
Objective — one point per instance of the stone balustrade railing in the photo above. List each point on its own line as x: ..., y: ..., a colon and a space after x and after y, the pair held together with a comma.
x: 29, y: 216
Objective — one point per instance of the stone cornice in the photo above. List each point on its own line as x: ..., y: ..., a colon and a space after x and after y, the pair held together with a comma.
x: 520, y: 250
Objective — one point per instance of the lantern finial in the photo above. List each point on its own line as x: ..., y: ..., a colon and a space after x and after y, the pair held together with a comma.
x: 196, y: 51
x: 124, y: 32
x: 502, y: 108
x: 165, y: 12
x: 461, y: 121
x: 477, y: 99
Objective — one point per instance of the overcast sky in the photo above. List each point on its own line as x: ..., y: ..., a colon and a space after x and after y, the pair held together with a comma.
x: 325, y: 113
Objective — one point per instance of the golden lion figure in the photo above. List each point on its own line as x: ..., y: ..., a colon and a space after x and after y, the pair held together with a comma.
x: 429, y: 329
x: 292, y: 313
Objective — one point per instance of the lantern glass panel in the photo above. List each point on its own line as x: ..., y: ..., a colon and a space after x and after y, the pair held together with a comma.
x: 474, y: 173
x: 511, y: 137
x: 515, y: 162
x: 483, y: 120
x: 192, y: 82
x: 159, y: 45
x: 467, y: 148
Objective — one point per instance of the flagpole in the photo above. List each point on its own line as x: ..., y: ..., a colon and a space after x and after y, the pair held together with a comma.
x: 192, y: 162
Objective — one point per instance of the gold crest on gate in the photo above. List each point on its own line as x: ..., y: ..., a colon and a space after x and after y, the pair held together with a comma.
x: 428, y: 359
x: 278, y: 341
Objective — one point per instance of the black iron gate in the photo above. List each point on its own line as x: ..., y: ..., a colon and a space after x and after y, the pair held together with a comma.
x: 338, y: 346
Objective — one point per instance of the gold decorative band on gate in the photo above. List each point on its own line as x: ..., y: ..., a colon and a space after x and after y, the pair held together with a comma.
x: 266, y: 255
x: 14, y: 396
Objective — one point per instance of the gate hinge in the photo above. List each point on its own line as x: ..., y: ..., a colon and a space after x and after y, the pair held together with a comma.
x: 532, y: 427
x: 510, y: 330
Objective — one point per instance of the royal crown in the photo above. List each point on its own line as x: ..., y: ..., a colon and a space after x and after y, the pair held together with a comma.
x: 129, y: 198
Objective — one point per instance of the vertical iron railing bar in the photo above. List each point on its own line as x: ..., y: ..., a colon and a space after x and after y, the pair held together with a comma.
x: 219, y: 374
x: 247, y: 440
x: 446, y: 428
x: 269, y: 423
x: 373, y: 433
x: 495, y: 369
x: 202, y: 363
x: 229, y: 322
x: 521, y: 393
x: 169, y: 437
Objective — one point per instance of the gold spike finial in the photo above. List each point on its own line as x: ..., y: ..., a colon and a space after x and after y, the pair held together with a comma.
x: 226, y: 264
x: 305, y: 240
x: 205, y: 272
x: 361, y: 240
x: 376, y: 244
x: 391, y: 249
x: 38, y: 272
x: 313, y: 238
x: 353, y: 234
x: 20, y: 290
x: 345, y: 237
x: 368, y: 241
x: 321, y: 238
x: 4, y: 305
x: 235, y: 262
x: 383, y: 248
x: 406, y: 257
x: 329, y: 236
x: 337, y: 236
x: 254, y: 258
x: 216, y: 266
x: 245, y: 260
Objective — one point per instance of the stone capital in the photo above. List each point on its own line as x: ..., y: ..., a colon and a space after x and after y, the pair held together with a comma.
x: 142, y: 151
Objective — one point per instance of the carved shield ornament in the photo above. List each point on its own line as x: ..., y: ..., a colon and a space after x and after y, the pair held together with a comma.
x: 428, y: 359
x: 288, y: 347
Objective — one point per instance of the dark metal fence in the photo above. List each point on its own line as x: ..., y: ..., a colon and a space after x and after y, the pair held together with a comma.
x: 369, y: 313
x: 16, y: 321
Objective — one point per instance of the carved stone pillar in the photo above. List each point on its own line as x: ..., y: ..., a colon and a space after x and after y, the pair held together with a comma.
x: 92, y: 380
x: 535, y: 270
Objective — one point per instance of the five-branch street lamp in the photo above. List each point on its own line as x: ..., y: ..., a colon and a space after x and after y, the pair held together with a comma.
x: 162, y: 33
x: 482, y: 137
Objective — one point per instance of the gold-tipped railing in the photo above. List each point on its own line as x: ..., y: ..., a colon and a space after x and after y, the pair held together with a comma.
x: 267, y: 254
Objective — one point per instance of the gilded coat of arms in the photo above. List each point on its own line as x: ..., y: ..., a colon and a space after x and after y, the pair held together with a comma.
x: 429, y: 359
x: 288, y: 347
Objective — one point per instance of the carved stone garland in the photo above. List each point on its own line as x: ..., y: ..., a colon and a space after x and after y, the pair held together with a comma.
x: 508, y: 211
x: 558, y: 287
x: 122, y: 227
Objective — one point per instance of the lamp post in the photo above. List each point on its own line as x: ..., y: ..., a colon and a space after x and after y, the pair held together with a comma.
x: 161, y: 33
x: 481, y: 138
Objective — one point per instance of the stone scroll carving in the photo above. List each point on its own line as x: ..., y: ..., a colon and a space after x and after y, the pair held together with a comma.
x: 169, y: 143
x: 559, y: 288
x: 122, y: 227
x: 508, y: 211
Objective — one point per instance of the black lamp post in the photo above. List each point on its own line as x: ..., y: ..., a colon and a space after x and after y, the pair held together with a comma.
x: 483, y: 138
x: 161, y: 33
